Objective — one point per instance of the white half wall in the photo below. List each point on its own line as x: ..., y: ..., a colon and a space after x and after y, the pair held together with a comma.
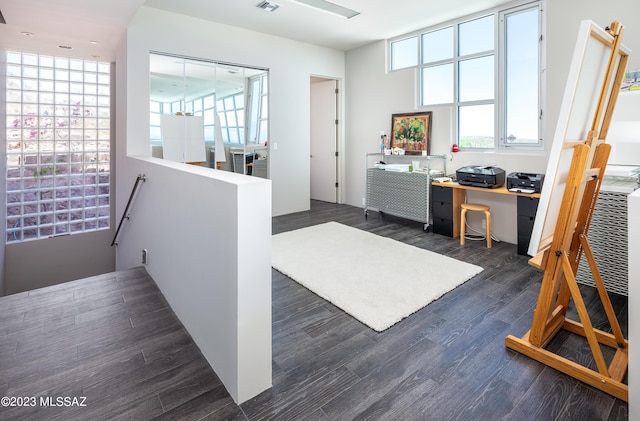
x: 633, y: 203
x: 208, y: 239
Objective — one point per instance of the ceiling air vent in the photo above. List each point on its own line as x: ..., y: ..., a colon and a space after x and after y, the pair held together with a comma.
x: 268, y: 6
x: 2, y: 18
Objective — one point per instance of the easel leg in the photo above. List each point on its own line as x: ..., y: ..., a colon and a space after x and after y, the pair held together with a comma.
x: 584, y: 317
x: 602, y: 291
x: 549, y: 315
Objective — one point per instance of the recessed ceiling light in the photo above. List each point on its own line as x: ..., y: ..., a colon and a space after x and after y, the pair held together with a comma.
x: 93, y: 42
x: 327, y: 6
x: 268, y: 6
x: 28, y: 34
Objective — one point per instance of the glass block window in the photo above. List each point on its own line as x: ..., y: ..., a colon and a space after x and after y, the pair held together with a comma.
x: 58, y: 146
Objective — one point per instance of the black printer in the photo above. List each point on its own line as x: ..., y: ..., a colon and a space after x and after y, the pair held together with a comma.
x: 479, y: 176
x: 524, y: 182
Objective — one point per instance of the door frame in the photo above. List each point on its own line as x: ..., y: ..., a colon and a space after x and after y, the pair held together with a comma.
x: 339, y: 127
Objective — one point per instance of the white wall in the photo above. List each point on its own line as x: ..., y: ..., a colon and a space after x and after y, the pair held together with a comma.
x: 373, y: 95
x: 3, y: 167
x: 634, y: 305
x: 290, y: 64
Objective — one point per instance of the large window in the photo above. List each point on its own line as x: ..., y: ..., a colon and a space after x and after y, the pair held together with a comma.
x: 58, y: 146
x: 487, y: 67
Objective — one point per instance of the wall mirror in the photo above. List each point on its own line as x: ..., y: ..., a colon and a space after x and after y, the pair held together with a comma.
x: 209, y: 113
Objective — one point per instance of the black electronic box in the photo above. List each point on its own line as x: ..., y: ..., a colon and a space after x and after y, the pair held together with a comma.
x: 525, y: 183
x: 480, y: 176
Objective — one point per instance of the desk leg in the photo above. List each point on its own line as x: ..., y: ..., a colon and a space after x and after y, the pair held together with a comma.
x: 459, y: 197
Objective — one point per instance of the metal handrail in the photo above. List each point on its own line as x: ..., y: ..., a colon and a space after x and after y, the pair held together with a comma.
x: 126, y: 215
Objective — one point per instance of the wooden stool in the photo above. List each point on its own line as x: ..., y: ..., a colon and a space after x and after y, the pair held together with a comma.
x: 475, y: 207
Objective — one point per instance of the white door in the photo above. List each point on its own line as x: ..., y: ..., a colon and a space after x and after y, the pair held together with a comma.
x: 324, y: 131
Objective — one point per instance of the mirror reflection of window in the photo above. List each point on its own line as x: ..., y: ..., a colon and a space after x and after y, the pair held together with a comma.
x: 258, y: 110
x: 230, y: 101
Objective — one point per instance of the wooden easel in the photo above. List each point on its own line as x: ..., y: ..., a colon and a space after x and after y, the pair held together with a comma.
x: 569, y: 242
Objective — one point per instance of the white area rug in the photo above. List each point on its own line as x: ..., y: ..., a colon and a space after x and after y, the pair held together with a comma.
x: 377, y: 280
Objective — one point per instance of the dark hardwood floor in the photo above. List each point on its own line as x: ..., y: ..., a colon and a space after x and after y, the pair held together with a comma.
x: 114, y: 340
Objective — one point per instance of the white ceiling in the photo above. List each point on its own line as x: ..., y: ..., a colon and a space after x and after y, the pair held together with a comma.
x: 72, y: 23
x: 75, y: 23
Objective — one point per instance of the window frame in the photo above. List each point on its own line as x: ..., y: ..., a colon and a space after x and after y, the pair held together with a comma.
x: 500, y: 143
x: 541, y: 77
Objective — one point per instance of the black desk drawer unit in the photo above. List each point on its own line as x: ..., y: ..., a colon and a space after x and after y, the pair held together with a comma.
x: 527, y: 207
x: 442, y: 210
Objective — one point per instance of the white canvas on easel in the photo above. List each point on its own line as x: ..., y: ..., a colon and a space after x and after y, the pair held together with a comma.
x: 587, y: 74
x: 183, y: 138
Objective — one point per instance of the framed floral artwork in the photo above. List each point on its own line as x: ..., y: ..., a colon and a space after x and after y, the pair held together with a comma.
x: 411, y: 132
